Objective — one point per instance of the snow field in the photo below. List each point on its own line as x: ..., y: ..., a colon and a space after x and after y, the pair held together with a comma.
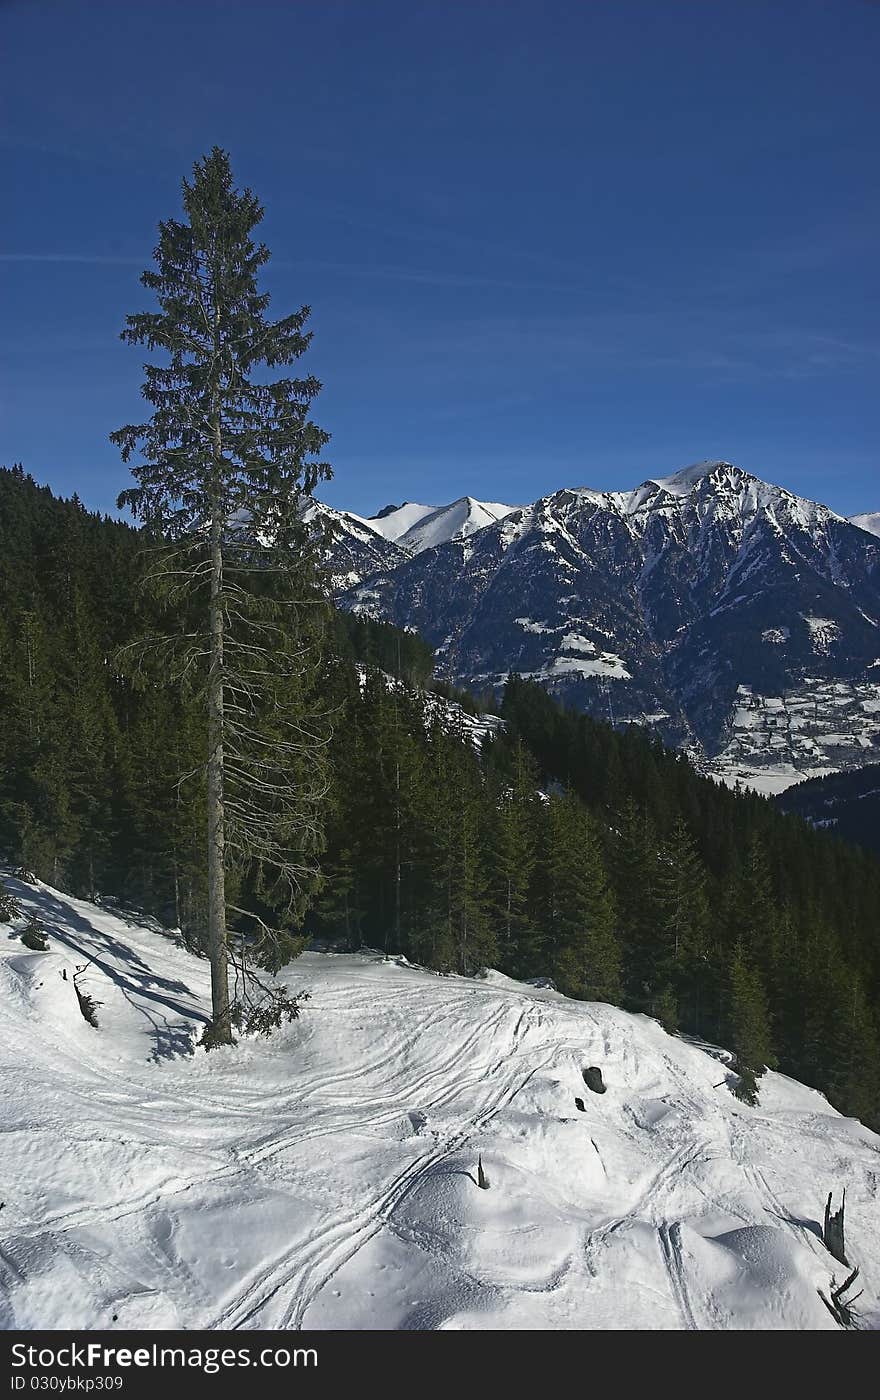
x: 326, y: 1177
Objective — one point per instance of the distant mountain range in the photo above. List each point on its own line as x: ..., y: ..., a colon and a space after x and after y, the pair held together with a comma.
x: 741, y: 620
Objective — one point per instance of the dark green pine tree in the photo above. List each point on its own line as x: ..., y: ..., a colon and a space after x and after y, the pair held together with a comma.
x: 511, y: 840
x: 38, y: 808
x: 224, y: 462
x: 841, y: 1048
x: 634, y: 872
x: 748, y: 1018
x: 455, y: 933
x: 9, y: 907
x: 682, y: 952
x: 753, y: 913
x: 93, y: 746
x: 579, y: 911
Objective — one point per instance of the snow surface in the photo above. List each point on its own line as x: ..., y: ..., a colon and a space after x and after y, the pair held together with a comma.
x: 457, y: 521
x: 396, y: 523
x: 325, y: 1178
x: 771, y: 780
x: 870, y: 521
x: 416, y: 527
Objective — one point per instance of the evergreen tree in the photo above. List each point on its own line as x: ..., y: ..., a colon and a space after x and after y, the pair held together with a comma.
x: 748, y: 1020
x: 224, y: 463
x: 635, y: 874
x: 682, y: 953
x: 9, y: 907
x: 455, y: 933
x: 512, y: 850
x: 579, y: 912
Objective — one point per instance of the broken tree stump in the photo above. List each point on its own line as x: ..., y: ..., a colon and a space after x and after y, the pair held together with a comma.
x: 832, y: 1232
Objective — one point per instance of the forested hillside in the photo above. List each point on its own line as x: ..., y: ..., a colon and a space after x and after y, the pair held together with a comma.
x: 563, y: 849
x: 848, y: 804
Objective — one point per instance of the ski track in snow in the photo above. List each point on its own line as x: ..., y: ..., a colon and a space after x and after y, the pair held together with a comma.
x: 327, y: 1177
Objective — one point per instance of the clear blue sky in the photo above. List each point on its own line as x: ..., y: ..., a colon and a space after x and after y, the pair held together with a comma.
x: 545, y: 244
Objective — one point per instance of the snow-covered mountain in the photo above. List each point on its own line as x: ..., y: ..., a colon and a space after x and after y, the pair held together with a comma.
x: 395, y: 521
x: 453, y: 522
x: 740, y: 619
x: 327, y: 1177
x: 354, y: 550
x: 362, y: 546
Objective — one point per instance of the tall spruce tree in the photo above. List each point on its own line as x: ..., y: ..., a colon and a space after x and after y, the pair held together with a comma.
x: 748, y: 1022
x: 579, y: 912
x: 224, y: 462
x: 512, y: 845
x: 683, y: 922
x: 635, y: 870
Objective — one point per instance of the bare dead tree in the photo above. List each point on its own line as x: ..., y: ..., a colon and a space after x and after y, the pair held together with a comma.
x: 841, y: 1308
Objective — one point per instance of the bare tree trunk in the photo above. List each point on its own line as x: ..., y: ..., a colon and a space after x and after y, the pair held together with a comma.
x: 222, y: 1028
x: 178, y: 923
x: 397, y: 867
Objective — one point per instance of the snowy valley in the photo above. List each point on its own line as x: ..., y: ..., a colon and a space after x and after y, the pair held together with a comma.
x: 327, y: 1177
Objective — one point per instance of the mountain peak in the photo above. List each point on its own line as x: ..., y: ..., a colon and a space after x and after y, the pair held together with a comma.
x: 683, y: 481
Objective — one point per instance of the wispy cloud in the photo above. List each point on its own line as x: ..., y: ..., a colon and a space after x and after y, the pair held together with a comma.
x: 715, y: 345
x: 425, y: 276
x: 98, y: 259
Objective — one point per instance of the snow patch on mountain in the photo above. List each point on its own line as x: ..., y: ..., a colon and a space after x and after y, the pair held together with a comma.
x: 394, y: 521
x: 452, y: 717
x: 870, y: 521
x: 453, y: 522
x: 823, y: 631
x: 416, y: 527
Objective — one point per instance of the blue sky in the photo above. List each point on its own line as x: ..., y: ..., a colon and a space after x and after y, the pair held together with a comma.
x: 544, y: 244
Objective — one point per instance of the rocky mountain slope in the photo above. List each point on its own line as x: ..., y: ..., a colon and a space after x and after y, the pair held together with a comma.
x: 741, y: 620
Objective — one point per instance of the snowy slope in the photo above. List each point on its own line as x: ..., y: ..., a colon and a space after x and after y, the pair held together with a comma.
x: 325, y: 1178
x: 870, y: 521
x: 415, y: 527
x: 453, y: 522
x: 395, y: 521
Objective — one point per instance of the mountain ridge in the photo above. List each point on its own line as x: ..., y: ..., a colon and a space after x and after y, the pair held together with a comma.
x: 692, y: 602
